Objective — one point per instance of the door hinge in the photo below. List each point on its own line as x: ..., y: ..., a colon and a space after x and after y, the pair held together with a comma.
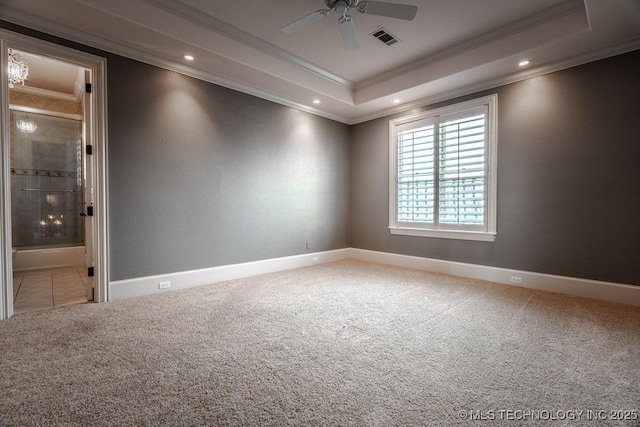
x: 89, y: 210
x: 87, y: 87
x: 90, y: 272
x: 89, y: 149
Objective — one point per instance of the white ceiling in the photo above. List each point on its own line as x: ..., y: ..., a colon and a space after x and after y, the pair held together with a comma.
x: 51, y: 75
x: 451, y: 48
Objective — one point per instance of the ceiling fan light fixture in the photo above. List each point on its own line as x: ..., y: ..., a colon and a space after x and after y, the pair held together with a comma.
x: 391, y: 10
x: 341, y: 7
x: 300, y: 23
x: 348, y: 31
x: 347, y: 28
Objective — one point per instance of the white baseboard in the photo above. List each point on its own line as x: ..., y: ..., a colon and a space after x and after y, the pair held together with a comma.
x: 606, y: 291
x: 123, y: 289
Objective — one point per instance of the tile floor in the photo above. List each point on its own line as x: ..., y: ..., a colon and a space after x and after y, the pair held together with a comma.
x: 41, y: 290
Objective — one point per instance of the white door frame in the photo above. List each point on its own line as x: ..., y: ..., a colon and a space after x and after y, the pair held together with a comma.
x: 97, y: 67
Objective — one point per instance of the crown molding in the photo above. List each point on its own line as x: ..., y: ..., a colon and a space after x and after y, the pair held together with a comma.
x: 46, y: 93
x: 28, y: 21
x: 549, y: 15
x: 617, y: 49
x: 78, y: 92
x: 214, y: 24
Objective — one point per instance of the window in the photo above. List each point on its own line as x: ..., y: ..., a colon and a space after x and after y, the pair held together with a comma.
x: 443, y: 172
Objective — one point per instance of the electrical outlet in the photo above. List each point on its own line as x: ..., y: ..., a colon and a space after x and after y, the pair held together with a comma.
x: 314, y: 260
x: 516, y: 280
x: 164, y: 285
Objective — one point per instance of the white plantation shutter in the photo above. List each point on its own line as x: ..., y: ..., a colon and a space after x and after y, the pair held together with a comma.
x: 416, y: 173
x: 462, y: 168
x: 443, y: 172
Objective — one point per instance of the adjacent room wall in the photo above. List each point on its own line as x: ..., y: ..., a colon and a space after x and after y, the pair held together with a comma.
x: 568, y: 178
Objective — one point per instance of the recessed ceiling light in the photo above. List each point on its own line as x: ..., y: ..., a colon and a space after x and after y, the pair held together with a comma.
x: 189, y: 57
x: 316, y: 101
x: 396, y: 101
x: 524, y: 63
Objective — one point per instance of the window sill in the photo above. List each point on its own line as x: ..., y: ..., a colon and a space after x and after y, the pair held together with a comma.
x: 481, y: 236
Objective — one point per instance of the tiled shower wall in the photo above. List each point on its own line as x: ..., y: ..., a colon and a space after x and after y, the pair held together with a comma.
x: 46, y: 186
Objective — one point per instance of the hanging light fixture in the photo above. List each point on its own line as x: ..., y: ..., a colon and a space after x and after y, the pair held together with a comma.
x: 18, y: 70
x: 26, y: 126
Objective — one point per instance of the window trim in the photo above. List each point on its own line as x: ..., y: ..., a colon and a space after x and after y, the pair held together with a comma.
x: 491, y: 102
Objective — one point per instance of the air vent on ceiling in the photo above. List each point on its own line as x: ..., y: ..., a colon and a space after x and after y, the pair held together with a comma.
x: 385, y: 36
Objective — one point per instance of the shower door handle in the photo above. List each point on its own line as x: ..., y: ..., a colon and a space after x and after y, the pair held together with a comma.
x: 89, y: 211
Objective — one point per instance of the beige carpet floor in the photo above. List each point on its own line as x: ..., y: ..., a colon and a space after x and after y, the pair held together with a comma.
x: 346, y: 343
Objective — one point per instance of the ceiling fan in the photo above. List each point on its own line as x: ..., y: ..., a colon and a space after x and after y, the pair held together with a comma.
x: 348, y: 30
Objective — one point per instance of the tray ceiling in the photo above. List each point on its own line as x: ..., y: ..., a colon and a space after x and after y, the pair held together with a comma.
x: 451, y: 48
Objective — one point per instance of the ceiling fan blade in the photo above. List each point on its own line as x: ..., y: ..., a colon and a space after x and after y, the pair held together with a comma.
x: 391, y: 10
x: 348, y: 31
x: 304, y: 21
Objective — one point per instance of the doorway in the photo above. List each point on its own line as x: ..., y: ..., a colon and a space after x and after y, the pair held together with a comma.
x: 47, y: 188
x: 54, y: 223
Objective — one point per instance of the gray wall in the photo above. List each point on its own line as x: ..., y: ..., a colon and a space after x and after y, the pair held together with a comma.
x: 201, y: 176
x: 568, y: 178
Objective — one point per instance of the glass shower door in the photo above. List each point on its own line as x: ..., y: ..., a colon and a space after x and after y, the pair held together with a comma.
x: 46, y: 180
